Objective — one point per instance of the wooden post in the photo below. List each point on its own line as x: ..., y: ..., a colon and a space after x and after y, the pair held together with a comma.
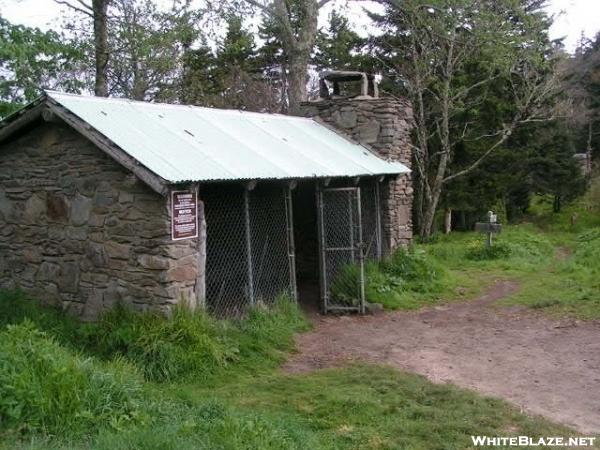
x: 289, y: 217
x: 201, y: 254
x: 361, y: 254
x: 322, y: 258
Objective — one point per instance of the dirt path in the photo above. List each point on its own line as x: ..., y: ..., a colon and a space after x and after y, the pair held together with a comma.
x: 546, y: 367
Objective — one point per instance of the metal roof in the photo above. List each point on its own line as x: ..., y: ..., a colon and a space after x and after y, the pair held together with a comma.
x: 188, y: 143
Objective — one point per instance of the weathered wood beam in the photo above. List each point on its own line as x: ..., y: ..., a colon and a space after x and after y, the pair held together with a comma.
x: 20, y: 120
x: 157, y: 183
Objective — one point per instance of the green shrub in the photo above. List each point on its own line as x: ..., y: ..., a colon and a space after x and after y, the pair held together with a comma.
x: 589, y: 235
x: 478, y: 251
x: 397, y: 281
x: 413, y: 269
x: 46, y: 387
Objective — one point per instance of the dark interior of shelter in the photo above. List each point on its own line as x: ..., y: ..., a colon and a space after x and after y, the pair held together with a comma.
x: 306, y: 244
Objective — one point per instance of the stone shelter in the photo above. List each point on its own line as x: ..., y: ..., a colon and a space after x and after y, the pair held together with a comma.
x: 110, y: 200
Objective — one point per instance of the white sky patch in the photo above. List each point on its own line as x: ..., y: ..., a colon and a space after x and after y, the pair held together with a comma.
x: 572, y: 17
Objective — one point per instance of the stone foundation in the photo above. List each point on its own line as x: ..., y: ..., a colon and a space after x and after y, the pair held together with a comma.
x: 79, y: 230
x: 384, y: 125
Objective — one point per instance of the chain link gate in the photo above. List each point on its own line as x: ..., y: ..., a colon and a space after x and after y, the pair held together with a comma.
x: 370, y: 198
x: 341, y: 249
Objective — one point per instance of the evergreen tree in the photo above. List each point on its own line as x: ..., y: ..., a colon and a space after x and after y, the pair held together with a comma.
x: 198, y: 85
x: 339, y: 47
x: 273, y: 62
x: 231, y: 77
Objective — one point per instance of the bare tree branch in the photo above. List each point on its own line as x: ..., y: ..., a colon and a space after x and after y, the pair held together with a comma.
x: 88, y: 11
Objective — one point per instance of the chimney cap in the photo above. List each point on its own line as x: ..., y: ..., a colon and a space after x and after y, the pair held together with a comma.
x: 344, y: 75
x: 368, y: 82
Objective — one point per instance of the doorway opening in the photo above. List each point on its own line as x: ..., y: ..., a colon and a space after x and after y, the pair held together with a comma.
x: 306, y: 246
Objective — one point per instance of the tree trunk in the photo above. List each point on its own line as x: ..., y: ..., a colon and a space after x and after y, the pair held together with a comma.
x: 448, y: 220
x: 297, y: 82
x: 418, y: 202
x: 556, y: 205
x: 444, y: 134
x: 297, y: 40
x: 99, y: 9
x: 432, y: 203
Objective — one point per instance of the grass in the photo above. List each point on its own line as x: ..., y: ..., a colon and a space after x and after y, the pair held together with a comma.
x: 570, y: 285
x: 558, y: 272
x: 366, y: 407
x: 408, y: 279
x: 452, y: 267
x: 576, y: 217
x: 45, y: 387
x: 66, y: 385
x: 190, y: 344
x: 371, y: 407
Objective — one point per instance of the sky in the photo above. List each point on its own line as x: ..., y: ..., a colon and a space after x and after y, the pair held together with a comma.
x: 573, y: 18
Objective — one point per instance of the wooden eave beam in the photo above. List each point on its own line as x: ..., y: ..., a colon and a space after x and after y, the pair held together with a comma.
x: 26, y: 117
x: 154, y: 181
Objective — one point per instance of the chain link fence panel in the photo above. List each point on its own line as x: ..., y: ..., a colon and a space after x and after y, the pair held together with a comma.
x: 247, y: 247
x: 269, y: 243
x: 371, y: 219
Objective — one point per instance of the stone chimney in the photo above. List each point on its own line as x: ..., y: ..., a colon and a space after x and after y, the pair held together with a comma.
x: 382, y: 124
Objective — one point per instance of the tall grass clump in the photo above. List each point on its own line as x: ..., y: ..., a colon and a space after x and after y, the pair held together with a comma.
x: 192, y: 344
x: 16, y: 306
x: 187, y: 345
x: 47, y: 388
x: 407, y: 279
x: 164, y: 349
x: 267, y: 334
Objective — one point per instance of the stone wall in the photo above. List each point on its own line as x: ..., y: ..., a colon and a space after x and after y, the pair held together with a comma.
x: 384, y: 125
x: 79, y: 230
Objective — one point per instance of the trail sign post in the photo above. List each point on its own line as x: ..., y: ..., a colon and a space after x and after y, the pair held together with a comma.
x: 490, y: 227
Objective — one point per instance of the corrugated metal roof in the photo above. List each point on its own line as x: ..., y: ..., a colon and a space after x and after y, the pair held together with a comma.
x: 187, y: 143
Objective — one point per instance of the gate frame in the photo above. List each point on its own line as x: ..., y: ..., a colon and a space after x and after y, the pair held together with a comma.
x: 356, y: 247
